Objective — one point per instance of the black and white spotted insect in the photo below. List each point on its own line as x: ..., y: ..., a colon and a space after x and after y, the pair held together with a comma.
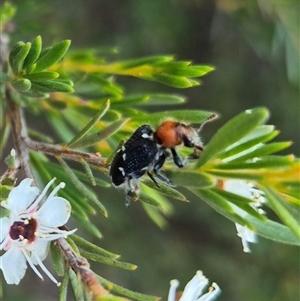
x: 146, y: 152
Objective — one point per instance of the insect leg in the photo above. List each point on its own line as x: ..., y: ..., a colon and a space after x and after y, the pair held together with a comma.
x: 177, y: 160
x: 158, y: 165
x: 153, y: 179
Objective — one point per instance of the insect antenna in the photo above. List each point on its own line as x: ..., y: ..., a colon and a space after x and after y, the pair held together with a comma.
x: 210, y: 118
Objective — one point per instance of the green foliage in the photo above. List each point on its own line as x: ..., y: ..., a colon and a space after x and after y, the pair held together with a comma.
x: 232, y: 132
x: 279, y: 205
x: 99, y: 116
x: 57, y: 260
x: 17, y: 55
x: 52, y: 55
x: 125, y: 292
x: 21, y: 85
x: 162, y: 69
x: 81, y: 188
x: 29, y: 64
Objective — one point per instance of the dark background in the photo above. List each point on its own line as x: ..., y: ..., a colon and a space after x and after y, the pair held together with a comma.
x: 254, y: 46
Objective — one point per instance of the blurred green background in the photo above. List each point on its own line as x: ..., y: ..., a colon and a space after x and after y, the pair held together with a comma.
x: 254, y: 46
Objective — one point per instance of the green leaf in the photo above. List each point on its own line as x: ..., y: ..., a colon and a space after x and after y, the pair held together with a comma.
x: 165, y: 190
x: 86, y: 223
x: 125, y: 292
x: 162, y: 69
x: 273, y: 231
x: 277, y: 204
x: 98, y: 181
x: 187, y: 178
x: 88, y: 172
x: 17, y: 56
x: 51, y: 86
x: 73, y: 245
x: 165, y: 204
x: 234, y: 130
x: 91, y: 248
x: 221, y: 205
x: 155, y: 215
x: 174, y: 81
x: 82, y: 188
x: 263, y: 150
x: 261, y: 134
x: 56, y: 170
x: 35, y: 94
x: 30, y: 68
x: 63, y: 289
x: 92, y: 122
x: 240, y: 201
x: 263, y: 162
x: 59, y: 125
x: 107, y: 260
x: 188, y: 116
x: 57, y: 259
x: 34, y: 53
x: 143, y: 197
x: 14, y: 51
x: 21, y: 85
x: 163, y: 99
x: 40, y: 136
x: 294, y: 208
x: 104, y: 86
x: 184, y: 68
x: 52, y: 56
x: 101, y: 135
x: 76, y: 285
x: 47, y: 168
x: 41, y: 76
x: 129, y: 64
x: 77, y: 202
x: 148, y: 100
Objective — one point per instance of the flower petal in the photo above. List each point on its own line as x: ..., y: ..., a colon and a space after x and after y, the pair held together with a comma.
x: 40, y: 197
x: 239, y: 187
x: 13, y: 264
x: 172, y: 292
x: 4, y: 230
x: 213, y: 293
x: 41, y: 249
x: 54, y: 212
x: 247, y: 236
x: 194, y: 287
x: 22, y: 196
x: 43, y: 267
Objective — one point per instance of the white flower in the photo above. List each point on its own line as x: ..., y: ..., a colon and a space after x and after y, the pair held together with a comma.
x: 194, y: 288
x: 242, y: 188
x: 26, y: 233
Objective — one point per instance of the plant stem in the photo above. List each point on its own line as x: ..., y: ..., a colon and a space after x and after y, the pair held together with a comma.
x: 23, y: 143
x: 64, y: 152
x: 19, y: 133
x: 81, y: 267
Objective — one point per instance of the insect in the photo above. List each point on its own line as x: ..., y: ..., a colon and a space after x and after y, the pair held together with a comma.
x: 146, y: 152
